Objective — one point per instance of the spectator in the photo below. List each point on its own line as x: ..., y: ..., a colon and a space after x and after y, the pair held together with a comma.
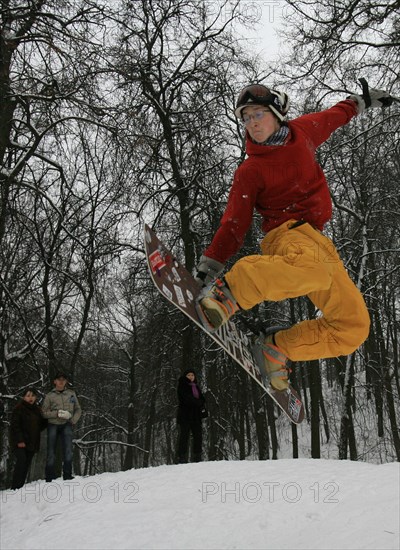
x: 62, y: 409
x: 191, y: 411
x: 25, y: 427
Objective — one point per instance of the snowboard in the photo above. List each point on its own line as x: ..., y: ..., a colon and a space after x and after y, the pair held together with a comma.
x: 180, y: 288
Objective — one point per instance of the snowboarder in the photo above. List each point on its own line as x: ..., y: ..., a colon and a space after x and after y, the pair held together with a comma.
x: 282, y: 180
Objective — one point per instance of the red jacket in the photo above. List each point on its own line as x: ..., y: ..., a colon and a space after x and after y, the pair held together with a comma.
x: 281, y: 182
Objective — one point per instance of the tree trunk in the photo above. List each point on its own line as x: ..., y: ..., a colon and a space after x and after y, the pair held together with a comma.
x: 261, y: 424
x: 315, y: 395
x: 347, y: 434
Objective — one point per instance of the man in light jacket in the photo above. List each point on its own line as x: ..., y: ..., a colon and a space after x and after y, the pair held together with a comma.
x: 62, y: 409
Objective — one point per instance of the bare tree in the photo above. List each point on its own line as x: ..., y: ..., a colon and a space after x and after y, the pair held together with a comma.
x: 334, y: 43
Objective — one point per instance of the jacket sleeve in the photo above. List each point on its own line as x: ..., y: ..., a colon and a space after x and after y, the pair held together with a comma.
x: 46, y: 408
x: 238, y: 215
x: 320, y: 126
x: 43, y: 421
x: 16, y: 428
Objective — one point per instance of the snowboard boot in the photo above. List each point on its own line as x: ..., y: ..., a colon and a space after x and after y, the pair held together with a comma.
x: 276, y: 364
x: 216, y: 304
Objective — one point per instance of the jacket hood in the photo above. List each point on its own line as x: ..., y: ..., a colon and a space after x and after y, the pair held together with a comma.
x: 183, y: 376
x: 187, y: 372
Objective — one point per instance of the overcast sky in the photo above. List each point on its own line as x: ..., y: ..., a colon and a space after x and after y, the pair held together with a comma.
x: 264, y: 17
x: 267, y: 15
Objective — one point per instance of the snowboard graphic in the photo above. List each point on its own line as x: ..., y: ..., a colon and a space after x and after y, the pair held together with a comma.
x: 180, y: 288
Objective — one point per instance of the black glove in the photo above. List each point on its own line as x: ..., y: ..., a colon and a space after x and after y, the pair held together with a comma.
x: 207, y: 270
x: 371, y: 97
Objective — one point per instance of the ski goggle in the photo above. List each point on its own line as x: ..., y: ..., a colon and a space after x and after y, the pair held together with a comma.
x: 255, y: 93
x: 257, y: 116
x: 258, y: 94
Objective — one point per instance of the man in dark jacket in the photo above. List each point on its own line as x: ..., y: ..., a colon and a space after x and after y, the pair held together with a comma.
x: 25, y: 427
x: 191, y: 411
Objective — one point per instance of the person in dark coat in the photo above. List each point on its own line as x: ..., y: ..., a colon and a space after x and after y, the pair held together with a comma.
x: 191, y: 411
x: 25, y: 427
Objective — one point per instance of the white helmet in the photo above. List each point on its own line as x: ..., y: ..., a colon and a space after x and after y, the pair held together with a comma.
x: 257, y: 94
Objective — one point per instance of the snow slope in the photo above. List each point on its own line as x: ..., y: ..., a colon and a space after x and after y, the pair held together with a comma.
x: 321, y: 504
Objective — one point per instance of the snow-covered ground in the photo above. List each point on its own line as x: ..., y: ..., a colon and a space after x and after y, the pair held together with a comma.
x: 211, y: 505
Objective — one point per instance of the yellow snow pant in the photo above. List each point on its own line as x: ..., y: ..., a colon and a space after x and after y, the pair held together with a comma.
x: 296, y: 262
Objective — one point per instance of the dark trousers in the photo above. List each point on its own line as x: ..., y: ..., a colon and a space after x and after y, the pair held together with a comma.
x: 185, y: 428
x: 21, y: 468
x: 64, y: 433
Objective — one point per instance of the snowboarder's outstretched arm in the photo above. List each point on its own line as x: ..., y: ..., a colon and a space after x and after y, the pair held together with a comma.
x: 371, y: 97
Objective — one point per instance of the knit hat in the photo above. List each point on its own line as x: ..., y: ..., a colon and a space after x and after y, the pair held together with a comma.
x: 61, y: 375
x: 258, y: 94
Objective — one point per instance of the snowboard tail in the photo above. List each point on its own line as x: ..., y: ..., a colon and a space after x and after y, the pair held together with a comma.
x: 180, y: 288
